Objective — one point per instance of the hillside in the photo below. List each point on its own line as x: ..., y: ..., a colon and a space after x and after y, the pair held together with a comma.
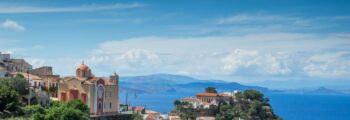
x: 176, y: 83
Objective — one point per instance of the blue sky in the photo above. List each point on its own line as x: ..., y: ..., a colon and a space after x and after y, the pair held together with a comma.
x: 247, y: 41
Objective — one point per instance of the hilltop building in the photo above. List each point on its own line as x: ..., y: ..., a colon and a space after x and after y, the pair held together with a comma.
x: 42, y: 71
x: 100, y: 94
x: 212, y: 98
x: 9, y: 65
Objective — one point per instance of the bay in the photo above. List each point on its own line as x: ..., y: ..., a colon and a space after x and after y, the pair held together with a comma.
x: 288, y: 106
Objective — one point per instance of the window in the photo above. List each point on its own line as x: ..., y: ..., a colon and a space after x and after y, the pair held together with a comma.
x: 110, y: 105
x: 63, y: 96
x: 84, y: 97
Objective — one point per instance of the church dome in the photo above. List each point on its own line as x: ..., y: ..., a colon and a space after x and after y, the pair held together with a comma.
x: 83, y: 67
x: 83, y: 71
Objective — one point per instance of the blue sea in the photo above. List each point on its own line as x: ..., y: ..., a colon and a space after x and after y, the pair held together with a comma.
x: 288, y: 106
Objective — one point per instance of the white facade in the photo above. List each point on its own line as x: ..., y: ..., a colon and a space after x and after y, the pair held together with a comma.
x: 4, y: 57
x: 35, y: 83
x: 2, y: 72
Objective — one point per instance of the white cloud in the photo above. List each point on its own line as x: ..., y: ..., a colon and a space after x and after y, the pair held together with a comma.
x: 328, y: 65
x: 254, y: 55
x: 249, y: 18
x: 240, y: 58
x: 268, y: 42
x: 13, y: 25
x: 37, y: 47
x: 248, y: 63
x: 5, y: 9
x: 36, y: 62
x: 247, y: 58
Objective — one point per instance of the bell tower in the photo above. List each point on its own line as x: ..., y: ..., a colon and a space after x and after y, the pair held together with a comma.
x: 114, y: 78
x: 83, y: 71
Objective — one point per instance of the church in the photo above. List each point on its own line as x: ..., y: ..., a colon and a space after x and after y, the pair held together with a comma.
x: 99, y: 93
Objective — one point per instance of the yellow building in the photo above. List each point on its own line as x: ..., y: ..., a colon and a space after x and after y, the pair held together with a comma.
x: 100, y: 94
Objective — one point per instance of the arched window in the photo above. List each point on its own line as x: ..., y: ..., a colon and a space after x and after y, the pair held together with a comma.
x: 99, y: 106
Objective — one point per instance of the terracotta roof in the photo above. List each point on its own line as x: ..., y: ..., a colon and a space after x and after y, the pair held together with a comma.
x: 222, y: 95
x: 207, y: 94
x: 90, y: 80
x: 32, y: 77
x: 210, y: 95
x: 138, y: 108
x: 190, y: 99
x: 151, y: 112
x: 83, y: 67
x: 205, y: 103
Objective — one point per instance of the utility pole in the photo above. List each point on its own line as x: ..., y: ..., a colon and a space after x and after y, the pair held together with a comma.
x: 126, y: 100
x: 30, y: 95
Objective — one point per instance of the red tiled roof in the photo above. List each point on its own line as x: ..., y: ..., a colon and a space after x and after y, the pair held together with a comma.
x: 206, y: 95
x: 83, y: 67
x: 210, y: 95
x: 189, y: 99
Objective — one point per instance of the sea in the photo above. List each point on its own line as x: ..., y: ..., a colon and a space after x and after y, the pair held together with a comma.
x: 287, y: 105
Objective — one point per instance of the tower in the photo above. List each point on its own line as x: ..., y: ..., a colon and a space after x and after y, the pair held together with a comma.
x: 114, y: 78
x: 83, y: 71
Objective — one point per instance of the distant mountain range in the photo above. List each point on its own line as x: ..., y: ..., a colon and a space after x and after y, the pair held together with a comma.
x: 335, y: 84
x: 176, y: 83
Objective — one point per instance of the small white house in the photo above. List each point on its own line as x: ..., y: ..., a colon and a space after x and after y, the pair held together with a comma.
x: 194, y: 101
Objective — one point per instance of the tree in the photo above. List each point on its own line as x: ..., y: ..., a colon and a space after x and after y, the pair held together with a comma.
x: 18, y: 75
x: 73, y: 110
x: 177, y: 102
x: 17, y: 83
x: 65, y: 113
x: 79, y: 105
x: 39, y: 112
x: 9, y: 101
x: 248, y: 105
x: 137, y: 116
x: 253, y: 95
x: 53, y: 90
x: 55, y: 104
x: 210, y: 90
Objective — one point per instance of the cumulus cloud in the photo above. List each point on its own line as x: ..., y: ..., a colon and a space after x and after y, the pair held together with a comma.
x: 243, y: 62
x: 328, y: 65
x: 13, y: 25
x: 258, y: 55
x: 249, y: 57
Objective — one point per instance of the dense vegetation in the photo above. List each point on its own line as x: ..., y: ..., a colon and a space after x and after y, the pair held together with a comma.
x: 11, y: 107
x: 73, y: 110
x: 11, y: 90
x: 247, y: 105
